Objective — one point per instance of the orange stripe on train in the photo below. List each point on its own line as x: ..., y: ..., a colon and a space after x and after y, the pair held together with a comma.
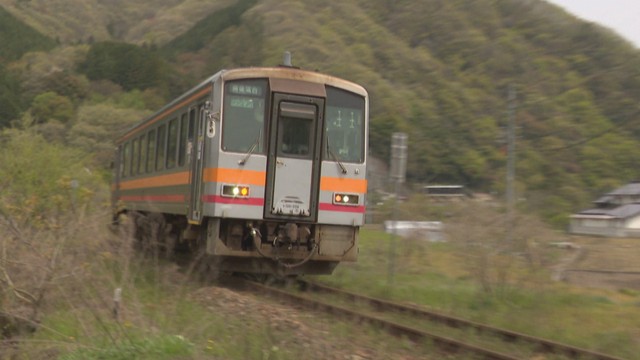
x: 235, y: 176
x: 343, y: 185
x: 181, y: 178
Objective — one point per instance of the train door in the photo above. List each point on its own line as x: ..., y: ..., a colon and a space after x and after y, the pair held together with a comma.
x: 294, y: 157
x: 196, y: 144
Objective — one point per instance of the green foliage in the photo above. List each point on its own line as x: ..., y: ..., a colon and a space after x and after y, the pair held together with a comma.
x: 67, y: 84
x: 51, y: 106
x: 40, y: 180
x: 208, y: 28
x: 155, y: 347
x: 438, y: 70
x: 17, y: 38
x: 129, y: 66
x: 10, y: 104
x: 97, y: 126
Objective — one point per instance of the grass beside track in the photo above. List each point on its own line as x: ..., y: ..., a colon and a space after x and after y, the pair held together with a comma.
x: 440, y: 276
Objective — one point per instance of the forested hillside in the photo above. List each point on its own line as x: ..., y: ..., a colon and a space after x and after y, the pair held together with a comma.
x: 438, y: 70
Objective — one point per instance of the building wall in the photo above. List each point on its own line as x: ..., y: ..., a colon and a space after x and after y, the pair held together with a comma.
x: 633, y: 223
x: 606, y: 227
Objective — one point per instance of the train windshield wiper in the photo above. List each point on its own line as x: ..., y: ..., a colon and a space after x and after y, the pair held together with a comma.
x: 251, y: 149
x: 335, y: 158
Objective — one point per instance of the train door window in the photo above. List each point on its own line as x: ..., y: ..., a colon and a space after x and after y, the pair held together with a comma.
x: 244, y: 114
x: 135, y: 156
x: 182, y: 146
x: 296, y: 129
x: 151, y: 150
x: 127, y: 159
x: 172, y: 143
x: 143, y: 154
x: 344, y: 126
x: 160, y: 148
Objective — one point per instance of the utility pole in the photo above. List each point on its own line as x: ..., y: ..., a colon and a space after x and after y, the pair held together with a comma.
x: 511, y: 163
x: 398, y: 175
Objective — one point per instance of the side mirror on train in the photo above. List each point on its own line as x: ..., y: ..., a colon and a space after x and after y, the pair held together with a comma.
x: 212, y: 118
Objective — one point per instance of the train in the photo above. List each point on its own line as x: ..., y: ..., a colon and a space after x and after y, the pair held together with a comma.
x: 262, y: 170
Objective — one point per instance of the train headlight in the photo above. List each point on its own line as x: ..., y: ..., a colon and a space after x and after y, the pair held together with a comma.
x: 345, y: 199
x: 235, y: 191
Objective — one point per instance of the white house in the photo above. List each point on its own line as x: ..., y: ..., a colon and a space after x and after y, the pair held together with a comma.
x: 617, y: 214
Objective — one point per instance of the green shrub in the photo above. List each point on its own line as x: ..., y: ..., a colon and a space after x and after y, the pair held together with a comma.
x: 158, y: 347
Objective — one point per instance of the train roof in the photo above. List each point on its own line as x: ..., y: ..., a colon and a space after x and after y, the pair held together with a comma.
x: 291, y: 73
x: 281, y: 72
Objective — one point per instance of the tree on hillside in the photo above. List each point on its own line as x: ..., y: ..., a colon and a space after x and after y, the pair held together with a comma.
x: 208, y: 28
x: 129, y: 66
x: 51, y: 106
x: 97, y: 126
x: 9, y: 98
x: 16, y: 38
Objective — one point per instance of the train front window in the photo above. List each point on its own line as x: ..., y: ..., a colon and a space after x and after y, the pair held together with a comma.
x: 344, y: 126
x: 244, y: 114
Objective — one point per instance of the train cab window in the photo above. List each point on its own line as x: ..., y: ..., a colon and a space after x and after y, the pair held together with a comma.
x: 172, y: 143
x: 143, y: 154
x: 151, y: 150
x: 182, y: 146
x: 344, y: 126
x: 244, y: 114
x: 160, y: 148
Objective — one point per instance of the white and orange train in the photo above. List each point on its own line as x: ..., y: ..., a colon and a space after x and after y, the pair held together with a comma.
x: 262, y: 169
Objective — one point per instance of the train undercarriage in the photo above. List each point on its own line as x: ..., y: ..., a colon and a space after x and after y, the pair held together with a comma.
x: 246, y: 246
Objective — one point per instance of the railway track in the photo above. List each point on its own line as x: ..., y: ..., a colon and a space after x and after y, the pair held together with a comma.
x: 385, y: 315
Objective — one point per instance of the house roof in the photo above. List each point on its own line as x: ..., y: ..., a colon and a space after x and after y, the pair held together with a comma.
x: 620, y: 212
x: 632, y: 188
x: 604, y: 200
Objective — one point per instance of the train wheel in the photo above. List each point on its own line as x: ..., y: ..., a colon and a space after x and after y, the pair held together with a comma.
x: 152, y: 235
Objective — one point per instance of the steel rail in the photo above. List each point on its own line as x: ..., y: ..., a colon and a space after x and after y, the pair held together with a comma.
x: 542, y: 345
x: 444, y: 343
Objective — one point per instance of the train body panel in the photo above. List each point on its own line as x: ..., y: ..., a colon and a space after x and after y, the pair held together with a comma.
x: 262, y: 164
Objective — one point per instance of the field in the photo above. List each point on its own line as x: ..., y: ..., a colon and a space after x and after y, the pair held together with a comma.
x: 605, y: 263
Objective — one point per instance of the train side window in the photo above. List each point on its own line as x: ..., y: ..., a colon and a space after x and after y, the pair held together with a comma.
x: 160, y: 148
x: 143, y: 154
x: 121, y: 161
x: 172, y: 143
x: 127, y: 159
x: 135, y: 156
x: 192, y: 123
x: 151, y: 150
x: 182, y: 146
